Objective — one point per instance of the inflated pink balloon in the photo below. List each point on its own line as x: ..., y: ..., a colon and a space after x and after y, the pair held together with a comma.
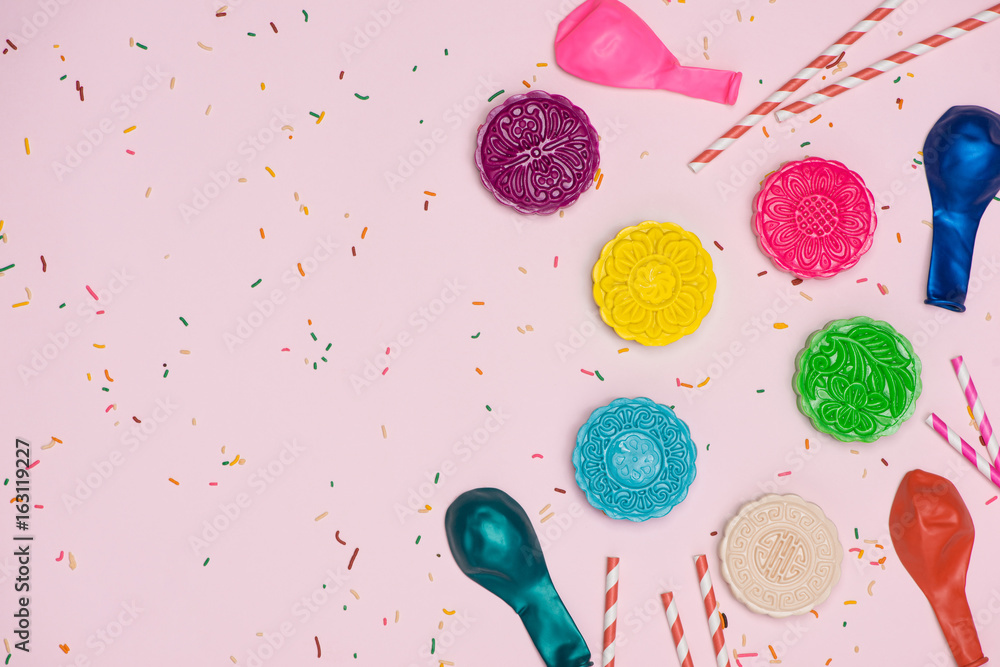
x: 606, y: 42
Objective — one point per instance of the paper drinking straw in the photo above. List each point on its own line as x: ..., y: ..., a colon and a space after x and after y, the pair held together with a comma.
x: 978, y: 411
x: 610, y: 612
x: 712, y: 610
x: 964, y: 448
x: 883, y: 66
x: 793, y: 84
x: 676, y: 630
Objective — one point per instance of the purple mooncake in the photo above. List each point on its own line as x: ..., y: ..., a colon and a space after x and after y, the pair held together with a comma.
x: 537, y: 152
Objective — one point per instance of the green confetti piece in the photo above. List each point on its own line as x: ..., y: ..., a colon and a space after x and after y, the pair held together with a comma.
x: 257, y: 283
x: 598, y: 374
x: 313, y: 335
x: 707, y: 446
x: 225, y: 463
x: 324, y: 359
x: 897, y: 79
x: 328, y: 346
x: 856, y: 534
x: 252, y: 34
x: 141, y: 46
x: 476, y: 336
x: 761, y: 82
x: 760, y: 391
x: 166, y: 372
x: 421, y: 122
x: 418, y: 540
x: 496, y: 95
x: 994, y: 199
x: 361, y: 97
x: 184, y: 321
x: 62, y: 305
x: 331, y: 485
x: 432, y: 646
x: 315, y: 366
x: 314, y: 115
x: 489, y: 409
x: 6, y: 267
x: 345, y: 607
x: 206, y: 562
x: 105, y: 389
x: 804, y: 144
x: 919, y: 162
x: 436, y: 478
x: 306, y: 15
x: 414, y: 68
x: 62, y: 78
x: 446, y: 51
x: 8, y: 479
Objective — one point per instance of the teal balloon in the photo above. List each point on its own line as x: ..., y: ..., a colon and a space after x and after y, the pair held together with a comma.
x: 495, y: 545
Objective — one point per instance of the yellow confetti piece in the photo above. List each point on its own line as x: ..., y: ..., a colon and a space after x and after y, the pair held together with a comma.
x: 270, y: 171
x: 780, y: 325
x: 128, y: 129
x: 27, y: 146
x: 18, y: 305
x: 449, y: 613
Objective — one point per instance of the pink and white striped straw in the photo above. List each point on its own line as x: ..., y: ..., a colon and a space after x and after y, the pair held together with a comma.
x: 965, y: 449
x: 978, y: 411
x: 712, y: 610
x: 610, y: 612
x: 793, y: 84
x: 676, y: 629
x: 893, y: 61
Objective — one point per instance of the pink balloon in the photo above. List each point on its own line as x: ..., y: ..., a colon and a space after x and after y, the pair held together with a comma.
x: 606, y: 42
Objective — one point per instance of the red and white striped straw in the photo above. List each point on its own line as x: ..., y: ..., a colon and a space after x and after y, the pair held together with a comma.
x: 978, y: 411
x: 793, y: 84
x: 676, y: 630
x: 610, y: 612
x: 712, y: 610
x: 964, y: 448
x: 893, y: 61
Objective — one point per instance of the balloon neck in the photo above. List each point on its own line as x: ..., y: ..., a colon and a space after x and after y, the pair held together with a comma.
x: 714, y: 85
x: 951, y: 259
x: 955, y: 618
x: 551, y: 628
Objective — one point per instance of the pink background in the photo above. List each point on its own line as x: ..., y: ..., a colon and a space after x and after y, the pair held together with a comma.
x: 131, y: 535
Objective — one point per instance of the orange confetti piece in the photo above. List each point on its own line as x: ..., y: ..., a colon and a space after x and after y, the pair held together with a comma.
x: 174, y: 481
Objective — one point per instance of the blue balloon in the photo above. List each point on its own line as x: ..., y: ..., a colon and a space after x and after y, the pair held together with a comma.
x: 962, y: 160
x: 495, y: 545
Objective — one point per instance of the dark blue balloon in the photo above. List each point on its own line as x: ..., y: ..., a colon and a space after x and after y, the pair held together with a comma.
x: 495, y: 545
x: 962, y: 160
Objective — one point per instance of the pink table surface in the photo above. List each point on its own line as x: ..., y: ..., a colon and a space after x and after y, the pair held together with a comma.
x: 141, y: 593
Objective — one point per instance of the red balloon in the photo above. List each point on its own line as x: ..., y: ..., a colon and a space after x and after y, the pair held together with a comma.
x: 932, y: 531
